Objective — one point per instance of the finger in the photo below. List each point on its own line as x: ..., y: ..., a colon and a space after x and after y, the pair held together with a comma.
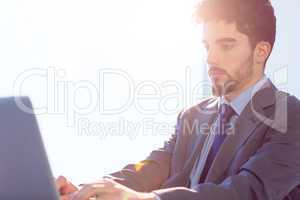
x: 110, y: 181
x: 67, y: 197
x: 114, y: 184
x: 69, y: 188
x: 101, y: 181
x: 60, y: 182
x: 91, y: 190
x: 64, y: 186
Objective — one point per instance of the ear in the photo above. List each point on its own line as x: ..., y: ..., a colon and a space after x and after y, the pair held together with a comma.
x: 262, y: 52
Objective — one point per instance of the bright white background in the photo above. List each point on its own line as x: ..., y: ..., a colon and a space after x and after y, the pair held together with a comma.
x: 54, y: 52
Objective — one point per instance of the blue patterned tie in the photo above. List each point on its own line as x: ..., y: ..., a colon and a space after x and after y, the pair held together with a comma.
x: 225, y: 113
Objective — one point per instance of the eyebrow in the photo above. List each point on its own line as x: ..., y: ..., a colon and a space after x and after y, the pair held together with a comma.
x: 226, y: 40
x: 222, y: 40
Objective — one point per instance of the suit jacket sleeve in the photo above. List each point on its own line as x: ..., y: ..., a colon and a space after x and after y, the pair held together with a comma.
x: 150, y: 173
x: 271, y: 174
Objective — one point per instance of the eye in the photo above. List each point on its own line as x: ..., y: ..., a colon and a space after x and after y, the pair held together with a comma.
x: 226, y: 47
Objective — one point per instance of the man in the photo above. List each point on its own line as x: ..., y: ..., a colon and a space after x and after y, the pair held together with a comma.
x: 241, y: 144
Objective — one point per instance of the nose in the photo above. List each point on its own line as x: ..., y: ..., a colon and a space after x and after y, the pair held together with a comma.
x: 212, y: 57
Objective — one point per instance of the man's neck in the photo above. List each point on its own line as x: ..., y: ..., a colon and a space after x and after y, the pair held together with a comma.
x: 232, y: 95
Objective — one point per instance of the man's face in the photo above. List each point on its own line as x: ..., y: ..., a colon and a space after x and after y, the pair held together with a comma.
x: 229, y: 57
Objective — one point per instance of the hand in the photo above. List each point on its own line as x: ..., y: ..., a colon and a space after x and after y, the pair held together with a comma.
x: 108, y: 189
x: 65, y: 188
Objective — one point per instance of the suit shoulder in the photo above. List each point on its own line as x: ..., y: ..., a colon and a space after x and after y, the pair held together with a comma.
x: 205, y: 104
x: 292, y: 101
x: 293, y: 105
x: 288, y: 105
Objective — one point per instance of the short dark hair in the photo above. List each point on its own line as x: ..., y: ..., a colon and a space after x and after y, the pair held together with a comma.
x: 255, y: 18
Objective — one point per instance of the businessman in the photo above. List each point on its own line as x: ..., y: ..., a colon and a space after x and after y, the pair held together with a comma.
x: 243, y: 143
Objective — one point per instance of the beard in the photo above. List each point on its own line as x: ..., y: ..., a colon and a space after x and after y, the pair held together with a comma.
x: 223, y: 89
x: 233, y: 82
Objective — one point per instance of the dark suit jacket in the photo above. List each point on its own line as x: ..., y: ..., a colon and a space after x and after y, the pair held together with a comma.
x: 260, y: 161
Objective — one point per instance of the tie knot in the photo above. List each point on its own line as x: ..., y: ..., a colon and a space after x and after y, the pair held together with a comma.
x: 226, y: 112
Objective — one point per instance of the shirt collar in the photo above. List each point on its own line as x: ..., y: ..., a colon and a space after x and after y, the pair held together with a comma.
x: 239, y: 103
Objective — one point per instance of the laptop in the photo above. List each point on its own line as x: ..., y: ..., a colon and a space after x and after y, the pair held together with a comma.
x: 24, y: 169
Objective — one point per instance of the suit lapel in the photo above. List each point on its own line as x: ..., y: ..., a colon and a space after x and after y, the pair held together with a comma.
x: 244, y: 127
x: 182, y: 177
x: 200, y: 137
